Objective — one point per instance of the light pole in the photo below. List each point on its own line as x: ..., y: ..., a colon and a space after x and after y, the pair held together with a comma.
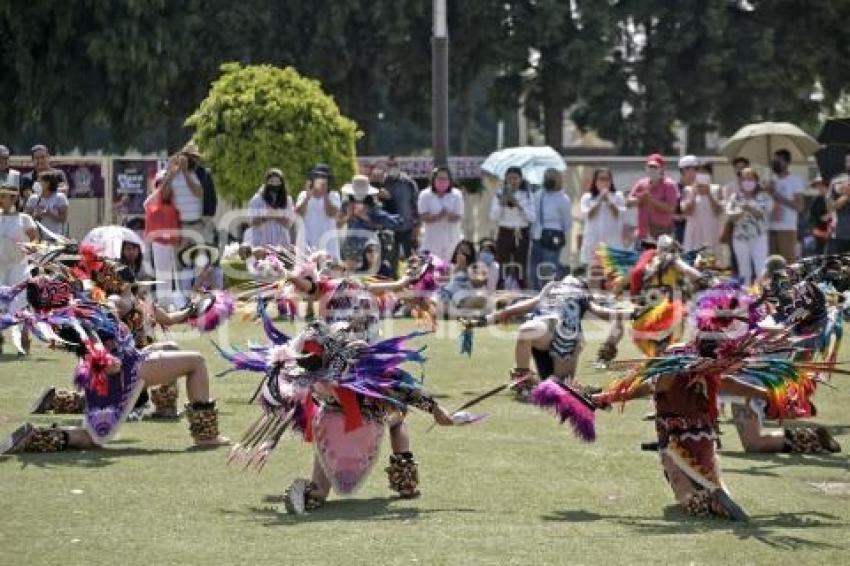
x: 440, y: 85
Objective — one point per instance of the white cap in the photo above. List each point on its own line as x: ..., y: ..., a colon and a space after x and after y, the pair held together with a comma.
x: 688, y: 161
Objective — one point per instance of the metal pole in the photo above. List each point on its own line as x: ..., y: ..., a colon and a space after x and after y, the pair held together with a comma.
x: 440, y: 85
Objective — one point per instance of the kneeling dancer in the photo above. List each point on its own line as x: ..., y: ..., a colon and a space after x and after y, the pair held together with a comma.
x: 337, y: 392
x: 111, y: 372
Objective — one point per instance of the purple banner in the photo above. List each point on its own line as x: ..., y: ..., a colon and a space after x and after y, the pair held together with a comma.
x: 85, y: 178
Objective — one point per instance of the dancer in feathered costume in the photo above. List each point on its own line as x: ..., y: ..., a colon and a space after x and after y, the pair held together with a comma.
x: 800, y: 314
x: 352, y: 302
x: 336, y: 391
x: 128, y: 299
x: 725, y: 357
x: 655, y: 279
x: 112, y: 371
x: 553, y: 337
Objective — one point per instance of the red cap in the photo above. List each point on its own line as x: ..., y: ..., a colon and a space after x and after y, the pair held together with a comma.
x: 656, y: 159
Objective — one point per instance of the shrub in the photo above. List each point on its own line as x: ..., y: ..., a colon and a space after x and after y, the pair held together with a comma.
x: 260, y: 116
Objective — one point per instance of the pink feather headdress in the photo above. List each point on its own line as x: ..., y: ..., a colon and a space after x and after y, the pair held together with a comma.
x: 220, y: 308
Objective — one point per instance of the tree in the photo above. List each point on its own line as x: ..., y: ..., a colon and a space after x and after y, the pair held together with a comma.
x: 553, y: 51
x: 258, y: 116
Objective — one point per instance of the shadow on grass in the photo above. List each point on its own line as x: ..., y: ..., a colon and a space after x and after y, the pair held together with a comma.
x: 372, y: 509
x: 88, y: 458
x: 761, y: 528
x: 783, y: 460
x: 7, y: 357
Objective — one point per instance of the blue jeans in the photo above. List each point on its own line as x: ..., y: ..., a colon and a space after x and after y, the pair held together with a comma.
x: 544, y: 265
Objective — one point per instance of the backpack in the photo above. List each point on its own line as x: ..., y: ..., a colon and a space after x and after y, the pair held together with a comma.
x: 210, y: 199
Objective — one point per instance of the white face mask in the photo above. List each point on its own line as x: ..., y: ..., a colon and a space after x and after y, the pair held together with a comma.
x: 201, y: 261
x: 653, y: 173
x: 703, y: 179
x: 748, y: 185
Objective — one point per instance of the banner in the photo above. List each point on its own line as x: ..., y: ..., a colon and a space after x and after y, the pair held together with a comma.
x: 132, y: 181
x: 85, y: 178
x: 421, y: 167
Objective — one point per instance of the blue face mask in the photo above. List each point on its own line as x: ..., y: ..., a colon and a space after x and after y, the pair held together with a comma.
x: 486, y: 258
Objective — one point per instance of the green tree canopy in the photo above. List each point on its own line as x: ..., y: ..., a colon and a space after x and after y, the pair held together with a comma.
x: 259, y: 116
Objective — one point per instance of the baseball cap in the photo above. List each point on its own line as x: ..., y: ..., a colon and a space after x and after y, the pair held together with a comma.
x: 688, y: 161
x: 656, y: 160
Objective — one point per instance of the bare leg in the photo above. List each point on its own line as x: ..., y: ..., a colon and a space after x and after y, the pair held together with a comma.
x: 681, y: 484
x: 164, y: 397
x: 162, y: 368
x: 753, y: 437
x: 403, y: 470
x: 532, y: 334
x: 320, y: 480
x: 399, y: 434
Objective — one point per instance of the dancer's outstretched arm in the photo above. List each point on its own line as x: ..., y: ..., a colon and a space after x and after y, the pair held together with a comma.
x: 165, y: 318
x: 519, y: 308
x: 735, y: 387
x: 607, y: 313
x: 384, y: 286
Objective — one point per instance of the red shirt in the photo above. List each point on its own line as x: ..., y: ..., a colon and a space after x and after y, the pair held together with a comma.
x: 664, y: 190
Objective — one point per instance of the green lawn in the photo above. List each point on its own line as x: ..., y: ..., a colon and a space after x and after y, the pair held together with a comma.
x: 515, y: 489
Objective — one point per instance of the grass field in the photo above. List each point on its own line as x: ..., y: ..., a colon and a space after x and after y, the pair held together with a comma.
x: 515, y: 489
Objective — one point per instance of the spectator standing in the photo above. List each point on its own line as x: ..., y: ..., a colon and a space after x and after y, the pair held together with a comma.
x: 837, y: 204
x: 513, y: 211
x: 16, y: 229
x: 272, y: 212
x: 187, y: 195
x: 602, y: 209
x: 749, y: 211
x: 363, y: 217
x: 209, y: 198
x: 550, y: 231
x: 787, y: 193
x: 399, y: 195
x: 655, y: 197
x: 440, y: 209
x: 162, y: 230
x: 317, y: 208
x: 40, y: 164
x: 703, y: 207
x: 12, y: 177
x: 49, y: 206
x: 733, y: 186
x: 687, y: 173
x: 820, y: 219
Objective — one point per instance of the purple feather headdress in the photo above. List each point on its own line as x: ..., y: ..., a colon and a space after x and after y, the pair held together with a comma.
x: 716, y: 308
x: 275, y: 335
x: 567, y: 407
